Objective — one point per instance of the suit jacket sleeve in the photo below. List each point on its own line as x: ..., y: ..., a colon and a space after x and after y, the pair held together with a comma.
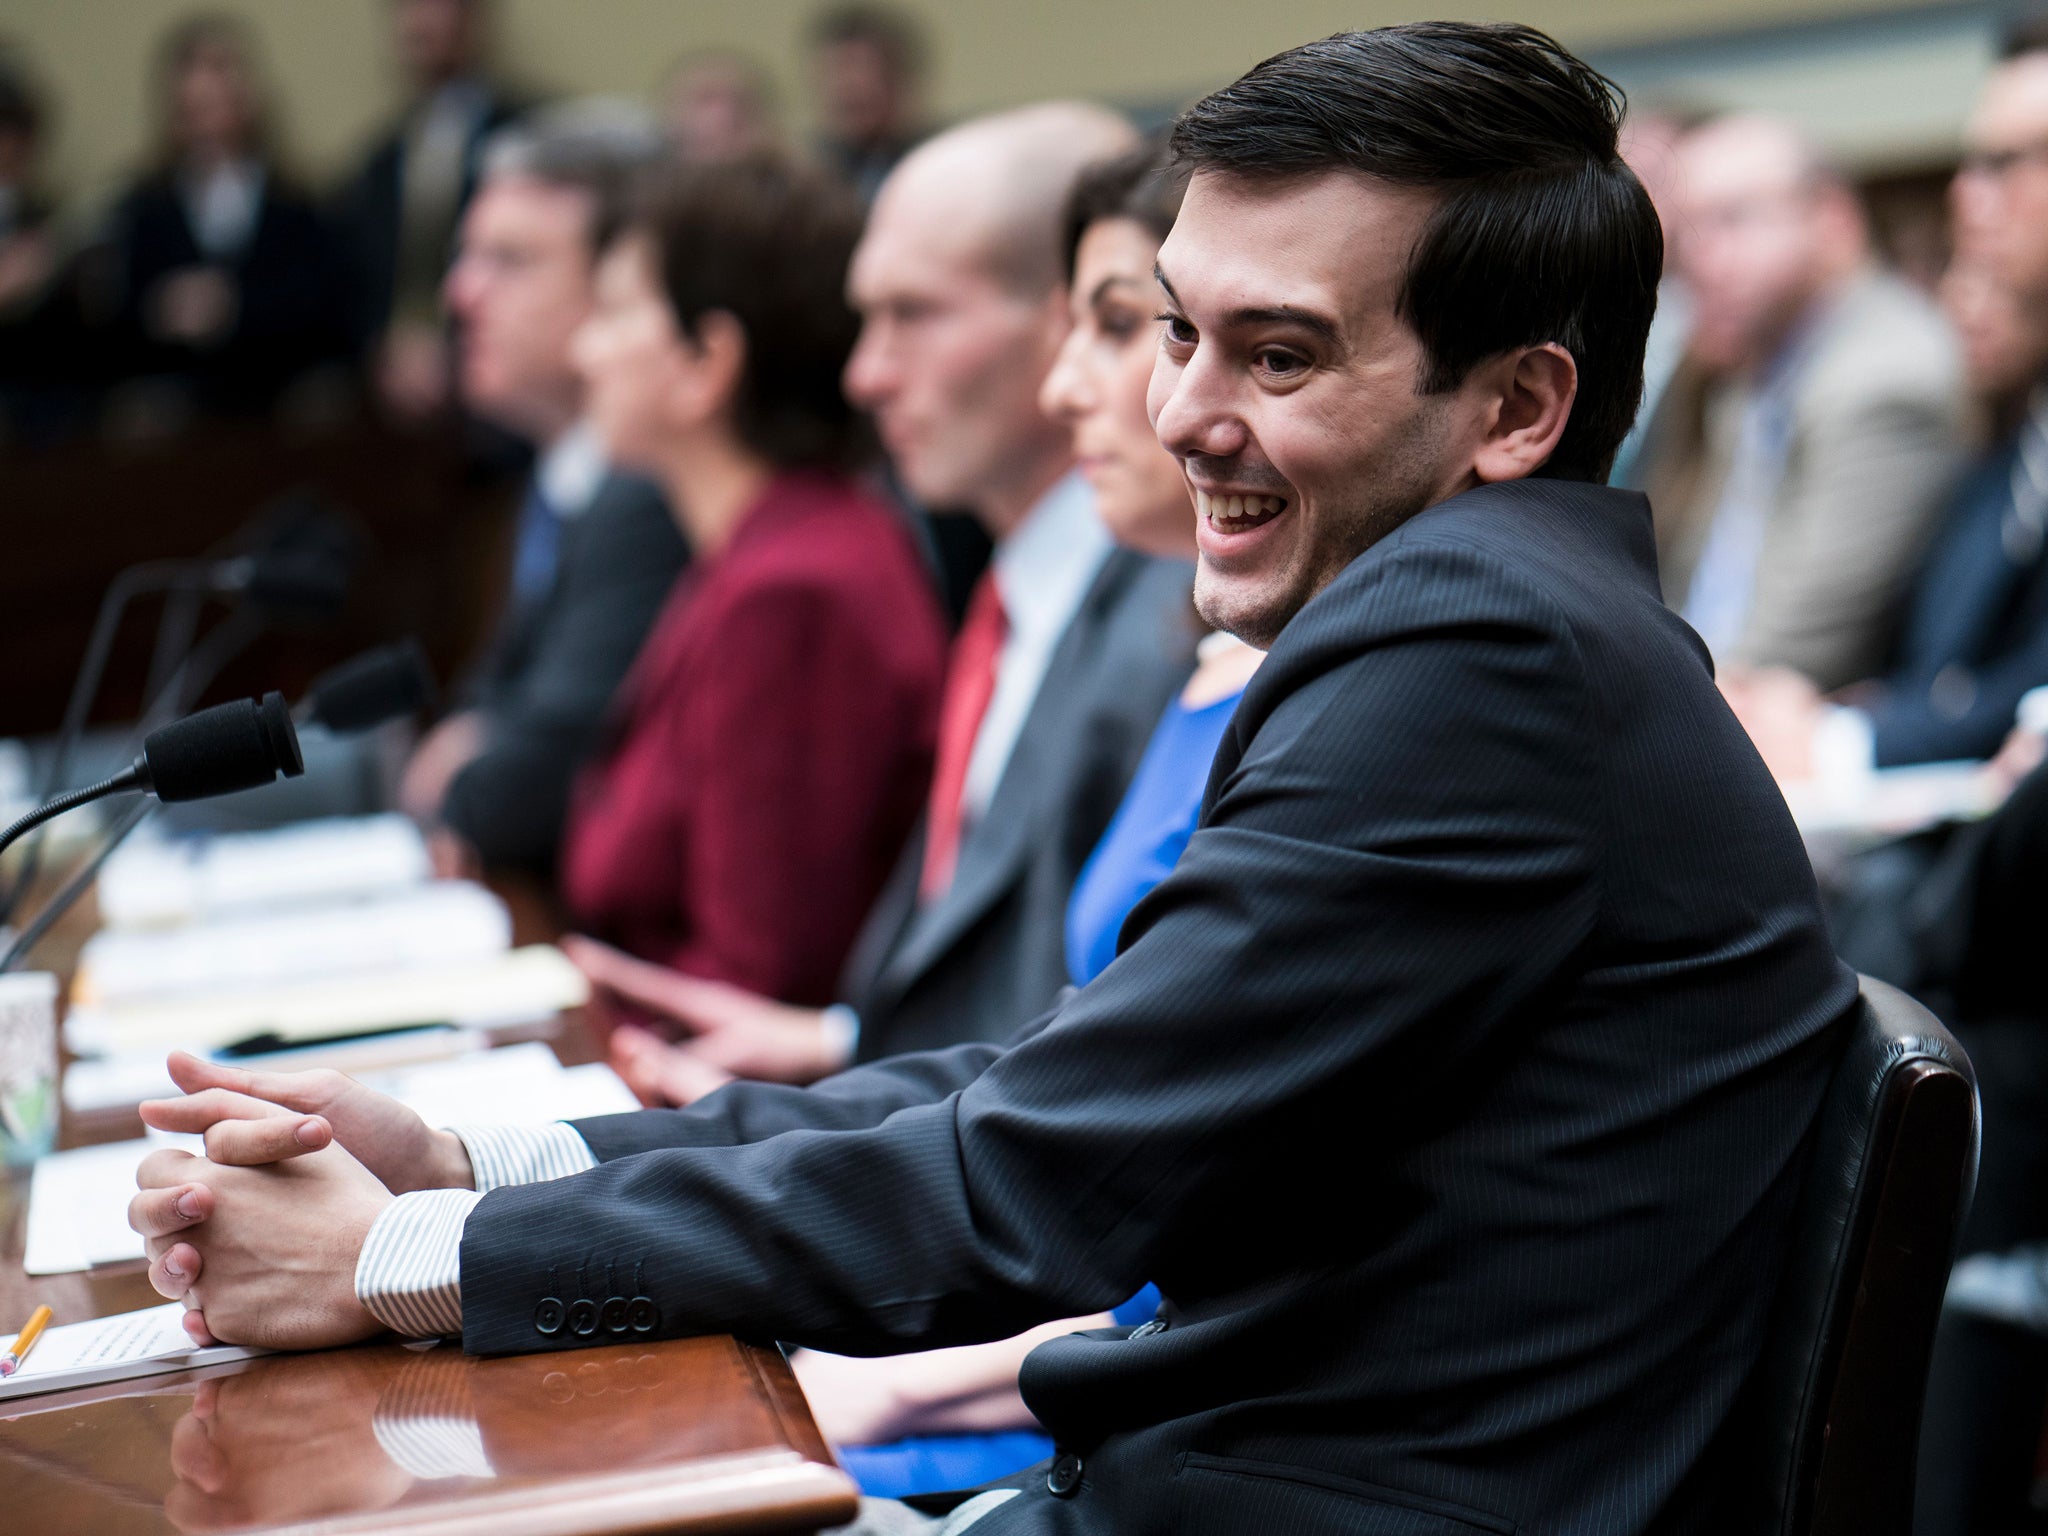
x: 1906, y: 727
x: 540, y: 720
x: 1317, y: 969
x: 1872, y: 475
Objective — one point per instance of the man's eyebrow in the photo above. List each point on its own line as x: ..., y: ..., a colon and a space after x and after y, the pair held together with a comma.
x: 1320, y: 326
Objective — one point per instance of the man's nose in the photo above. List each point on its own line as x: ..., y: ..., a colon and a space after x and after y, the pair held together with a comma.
x: 1197, y: 412
x: 870, y: 374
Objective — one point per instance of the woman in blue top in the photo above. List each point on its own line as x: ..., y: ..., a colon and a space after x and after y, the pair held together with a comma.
x: 960, y: 1407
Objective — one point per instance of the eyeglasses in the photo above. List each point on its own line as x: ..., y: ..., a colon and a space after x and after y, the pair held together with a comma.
x: 1995, y: 163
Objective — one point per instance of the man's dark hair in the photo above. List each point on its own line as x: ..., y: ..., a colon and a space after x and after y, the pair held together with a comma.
x: 888, y: 31
x: 596, y: 146
x: 1541, y: 233
x: 2025, y: 34
x: 767, y: 242
x: 1141, y: 185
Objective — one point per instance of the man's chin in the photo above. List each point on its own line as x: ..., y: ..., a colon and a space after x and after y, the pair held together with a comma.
x: 1252, y: 609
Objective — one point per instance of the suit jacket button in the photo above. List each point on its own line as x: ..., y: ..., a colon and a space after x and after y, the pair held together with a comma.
x: 547, y: 1317
x: 1064, y: 1480
x: 612, y: 1315
x: 583, y: 1317
x: 642, y: 1315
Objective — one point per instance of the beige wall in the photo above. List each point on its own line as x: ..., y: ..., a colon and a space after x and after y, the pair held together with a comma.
x: 329, y: 60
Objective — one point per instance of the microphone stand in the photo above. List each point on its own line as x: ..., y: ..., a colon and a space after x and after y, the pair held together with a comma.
x: 193, y: 676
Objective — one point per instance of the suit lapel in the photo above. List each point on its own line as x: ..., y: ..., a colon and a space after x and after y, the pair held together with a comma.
x: 1042, y: 765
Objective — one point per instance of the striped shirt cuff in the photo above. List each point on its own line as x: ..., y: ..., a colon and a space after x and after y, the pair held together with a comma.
x: 409, y: 1274
x: 523, y: 1154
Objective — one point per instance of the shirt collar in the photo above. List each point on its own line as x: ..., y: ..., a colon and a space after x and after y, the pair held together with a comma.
x: 1047, y: 561
x: 571, y: 470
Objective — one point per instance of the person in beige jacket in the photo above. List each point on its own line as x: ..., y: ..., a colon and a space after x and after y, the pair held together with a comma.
x: 1835, y: 425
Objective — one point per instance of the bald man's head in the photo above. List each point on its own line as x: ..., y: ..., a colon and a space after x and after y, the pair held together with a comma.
x: 998, y: 186
x: 959, y: 280
x: 1767, y: 227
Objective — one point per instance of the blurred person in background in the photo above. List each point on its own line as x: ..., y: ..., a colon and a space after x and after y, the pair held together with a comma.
x: 1070, y: 650
x: 719, y: 106
x: 772, y: 745
x: 35, y: 360
x: 1835, y: 429
x: 869, y: 62
x: 596, y: 550
x: 1649, y: 145
x: 953, y: 1418
x: 1975, y: 631
x: 403, y: 208
x: 225, y: 285
x: 26, y: 255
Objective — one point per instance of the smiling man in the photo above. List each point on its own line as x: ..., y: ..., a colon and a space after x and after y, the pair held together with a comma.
x: 1453, y: 1088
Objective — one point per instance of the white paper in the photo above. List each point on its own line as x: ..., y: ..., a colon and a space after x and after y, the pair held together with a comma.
x: 156, y: 883
x: 440, y: 922
x: 527, y: 984
x: 145, y: 1343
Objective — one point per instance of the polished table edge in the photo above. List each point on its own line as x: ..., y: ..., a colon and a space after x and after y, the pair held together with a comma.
x: 746, y: 1491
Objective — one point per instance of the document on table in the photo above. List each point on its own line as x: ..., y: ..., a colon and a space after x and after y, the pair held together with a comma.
x: 146, y: 1343
x: 78, y: 1200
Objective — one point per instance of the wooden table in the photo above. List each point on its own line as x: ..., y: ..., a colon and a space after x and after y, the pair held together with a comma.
x: 688, y: 1435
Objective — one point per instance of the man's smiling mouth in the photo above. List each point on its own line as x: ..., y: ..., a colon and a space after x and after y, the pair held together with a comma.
x: 1240, y: 513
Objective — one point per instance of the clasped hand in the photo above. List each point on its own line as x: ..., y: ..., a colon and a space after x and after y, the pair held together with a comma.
x: 259, y: 1238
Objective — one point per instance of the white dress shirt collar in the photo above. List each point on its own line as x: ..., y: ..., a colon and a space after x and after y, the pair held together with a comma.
x: 570, y: 471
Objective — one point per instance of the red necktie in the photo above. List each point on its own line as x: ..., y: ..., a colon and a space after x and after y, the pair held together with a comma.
x: 970, y: 683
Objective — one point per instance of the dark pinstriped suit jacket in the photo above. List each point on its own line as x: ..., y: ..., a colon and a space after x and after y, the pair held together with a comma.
x: 1454, y: 1089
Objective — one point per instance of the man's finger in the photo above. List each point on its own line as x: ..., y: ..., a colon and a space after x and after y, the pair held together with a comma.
x: 164, y: 1167
x: 196, y: 1111
x: 173, y: 1272
x: 247, y: 1143
x: 160, y: 1212
x: 197, y: 1331
x: 309, y: 1092
x: 653, y: 987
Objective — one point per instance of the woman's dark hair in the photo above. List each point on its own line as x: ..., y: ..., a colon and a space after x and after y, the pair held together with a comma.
x: 1142, y: 185
x: 1541, y: 233
x: 768, y: 243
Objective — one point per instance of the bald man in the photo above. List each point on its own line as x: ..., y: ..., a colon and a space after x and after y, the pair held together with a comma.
x: 1837, y: 426
x: 1070, y: 651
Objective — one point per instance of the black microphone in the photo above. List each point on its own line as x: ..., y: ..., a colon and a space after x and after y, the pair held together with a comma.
x: 366, y: 690
x: 376, y: 686
x: 230, y: 747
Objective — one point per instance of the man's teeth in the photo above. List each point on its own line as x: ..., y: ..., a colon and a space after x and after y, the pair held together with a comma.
x: 1225, y: 511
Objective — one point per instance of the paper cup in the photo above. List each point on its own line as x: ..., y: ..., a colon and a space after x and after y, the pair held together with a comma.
x: 28, y: 1066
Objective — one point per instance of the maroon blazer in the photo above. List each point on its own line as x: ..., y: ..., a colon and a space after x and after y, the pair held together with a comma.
x: 771, y: 749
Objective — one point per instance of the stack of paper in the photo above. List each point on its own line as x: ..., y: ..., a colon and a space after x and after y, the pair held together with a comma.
x: 78, y: 1201
x: 156, y: 884
x: 128, y: 1344
x: 424, y: 925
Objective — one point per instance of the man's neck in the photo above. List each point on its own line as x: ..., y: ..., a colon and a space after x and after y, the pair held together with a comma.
x: 1003, y: 510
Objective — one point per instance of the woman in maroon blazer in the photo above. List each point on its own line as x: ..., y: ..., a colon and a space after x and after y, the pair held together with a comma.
x: 771, y: 746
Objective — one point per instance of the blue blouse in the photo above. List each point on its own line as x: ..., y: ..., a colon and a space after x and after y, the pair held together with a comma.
x: 1143, y: 842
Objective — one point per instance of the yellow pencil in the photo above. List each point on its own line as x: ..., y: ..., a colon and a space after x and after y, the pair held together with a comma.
x: 24, y: 1342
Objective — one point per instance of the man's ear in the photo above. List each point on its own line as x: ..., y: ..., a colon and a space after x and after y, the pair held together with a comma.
x: 1529, y: 395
